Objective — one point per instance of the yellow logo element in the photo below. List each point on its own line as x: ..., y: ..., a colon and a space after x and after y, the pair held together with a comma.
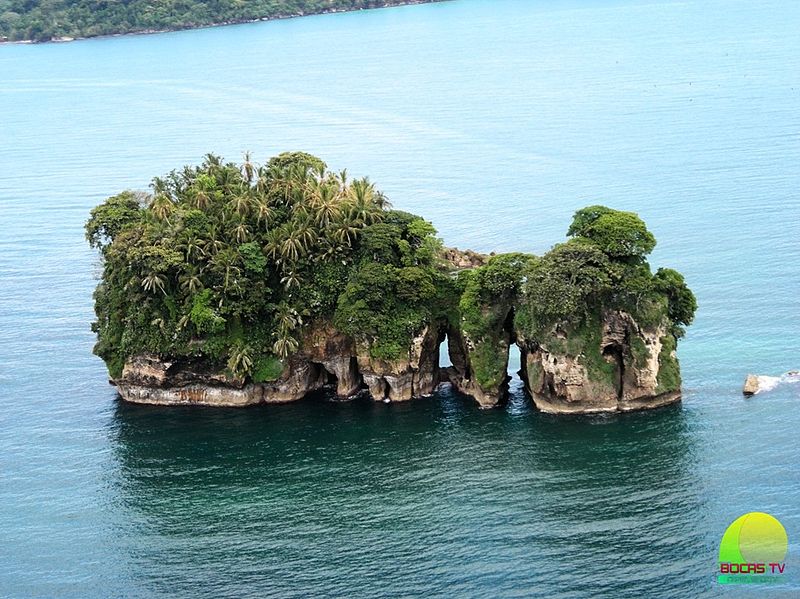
x: 753, y: 549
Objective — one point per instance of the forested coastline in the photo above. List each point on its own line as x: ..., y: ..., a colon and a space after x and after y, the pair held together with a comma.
x: 60, y: 20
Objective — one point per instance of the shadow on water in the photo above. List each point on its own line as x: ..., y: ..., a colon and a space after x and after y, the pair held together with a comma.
x: 432, y: 496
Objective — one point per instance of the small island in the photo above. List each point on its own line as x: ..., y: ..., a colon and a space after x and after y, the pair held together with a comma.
x: 240, y: 284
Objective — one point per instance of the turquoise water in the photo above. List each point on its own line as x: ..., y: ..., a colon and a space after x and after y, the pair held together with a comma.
x: 496, y: 119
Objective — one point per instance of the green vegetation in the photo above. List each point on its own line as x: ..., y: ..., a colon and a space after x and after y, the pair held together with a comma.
x: 621, y: 235
x: 487, y: 309
x: 669, y: 372
x: 603, y: 267
x: 396, y: 285
x: 226, y: 262
x: 40, y: 20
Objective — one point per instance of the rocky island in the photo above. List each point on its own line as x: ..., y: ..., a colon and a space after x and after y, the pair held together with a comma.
x: 239, y: 284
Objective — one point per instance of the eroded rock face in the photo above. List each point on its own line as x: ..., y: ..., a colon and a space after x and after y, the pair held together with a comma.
x: 400, y: 380
x: 621, y: 372
x: 336, y: 353
x: 464, y: 259
x: 561, y: 383
x: 147, y: 379
x: 461, y: 374
x: 327, y: 357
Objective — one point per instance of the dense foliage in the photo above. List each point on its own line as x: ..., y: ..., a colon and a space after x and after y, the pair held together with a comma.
x: 603, y: 267
x: 226, y: 262
x: 43, y: 20
x: 396, y: 287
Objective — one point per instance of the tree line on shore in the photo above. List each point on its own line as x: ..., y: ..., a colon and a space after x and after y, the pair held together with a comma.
x: 45, y: 20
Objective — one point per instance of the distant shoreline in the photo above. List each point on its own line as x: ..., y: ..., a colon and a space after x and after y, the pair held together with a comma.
x: 65, y: 39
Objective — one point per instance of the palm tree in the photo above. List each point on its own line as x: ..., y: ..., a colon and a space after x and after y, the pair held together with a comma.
x: 285, y: 346
x: 190, y: 281
x: 346, y: 231
x: 381, y: 201
x: 153, y: 282
x: 159, y: 186
x: 274, y: 244
x: 281, y: 180
x: 263, y: 180
x: 240, y: 360
x: 307, y: 234
x: 292, y: 247
x: 230, y: 272
x: 248, y: 168
x: 214, y: 243
x: 193, y: 246
x: 264, y: 212
x: 240, y: 205
x: 325, y: 204
x: 287, y: 318
x: 211, y: 161
x: 369, y: 203
x: 199, y: 198
x: 162, y: 207
x: 292, y: 279
x: 241, y: 232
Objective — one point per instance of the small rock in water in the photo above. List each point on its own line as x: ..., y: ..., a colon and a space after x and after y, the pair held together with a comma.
x: 754, y: 383
x: 750, y: 385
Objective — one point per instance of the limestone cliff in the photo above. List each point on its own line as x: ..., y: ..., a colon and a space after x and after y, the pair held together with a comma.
x: 620, y: 366
x: 149, y: 379
x: 327, y: 358
x: 416, y: 374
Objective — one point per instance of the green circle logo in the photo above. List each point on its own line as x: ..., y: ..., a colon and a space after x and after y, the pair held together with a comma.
x: 753, y: 549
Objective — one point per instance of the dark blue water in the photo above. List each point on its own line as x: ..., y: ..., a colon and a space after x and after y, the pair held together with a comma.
x: 496, y: 120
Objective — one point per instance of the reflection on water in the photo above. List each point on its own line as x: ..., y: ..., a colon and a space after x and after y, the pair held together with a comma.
x: 335, y: 498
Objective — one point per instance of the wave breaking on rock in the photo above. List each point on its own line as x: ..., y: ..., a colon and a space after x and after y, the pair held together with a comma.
x: 758, y: 383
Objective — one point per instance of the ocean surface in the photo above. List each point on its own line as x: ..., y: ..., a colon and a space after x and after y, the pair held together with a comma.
x: 495, y: 119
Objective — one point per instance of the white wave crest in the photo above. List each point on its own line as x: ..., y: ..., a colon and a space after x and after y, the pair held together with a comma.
x: 768, y: 383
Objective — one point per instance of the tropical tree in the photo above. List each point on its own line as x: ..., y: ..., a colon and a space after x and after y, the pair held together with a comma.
x: 621, y: 235
x: 162, y: 206
x: 154, y: 282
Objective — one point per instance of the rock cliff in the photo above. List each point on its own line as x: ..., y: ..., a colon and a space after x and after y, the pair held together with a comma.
x: 618, y: 369
x: 327, y: 358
